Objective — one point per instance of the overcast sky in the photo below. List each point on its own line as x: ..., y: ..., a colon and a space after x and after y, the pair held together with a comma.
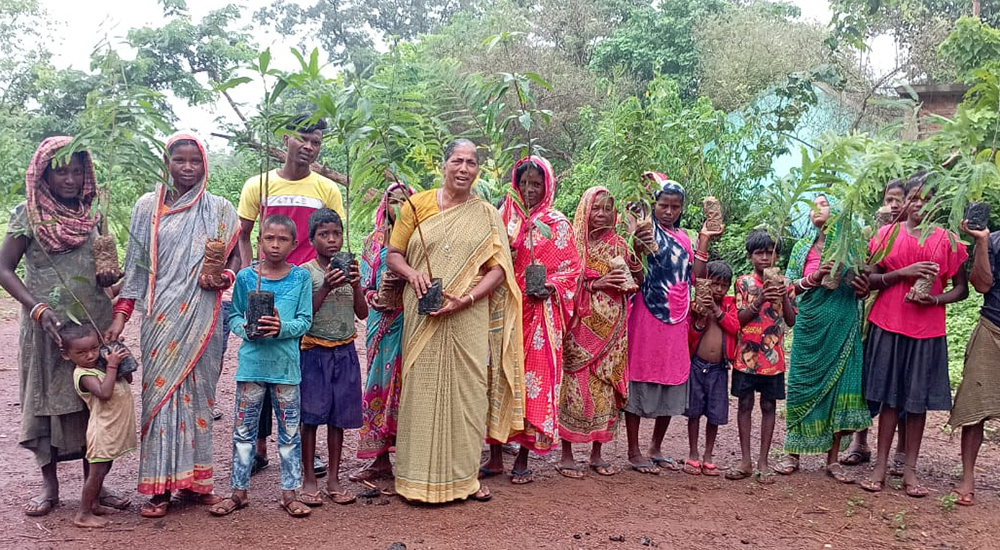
x: 80, y: 23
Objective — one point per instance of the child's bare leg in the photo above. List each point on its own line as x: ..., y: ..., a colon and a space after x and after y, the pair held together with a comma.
x: 744, y: 419
x: 693, y: 424
x: 859, y: 442
x: 886, y: 429
x: 382, y: 463
x: 831, y: 455
x: 595, y: 453
x: 309, y: 483
x: 495, y: 463
x: 767, y: 408
x: 659, y: 431
x: 632, y: 436
x: 567, y: 459
x: 972, y: 440
x: 914, y: 437
x: 711, y: 431
x: 335, y: 446
x: 901, y: 440
x: 89, y: 507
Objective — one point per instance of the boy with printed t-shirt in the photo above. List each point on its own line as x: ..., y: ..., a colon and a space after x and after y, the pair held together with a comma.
x: 294, y: 191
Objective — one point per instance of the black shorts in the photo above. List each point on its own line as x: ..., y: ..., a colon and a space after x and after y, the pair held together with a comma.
x: 769, y: 387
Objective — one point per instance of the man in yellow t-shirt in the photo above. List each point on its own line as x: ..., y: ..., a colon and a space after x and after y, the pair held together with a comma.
x: 295, y: 191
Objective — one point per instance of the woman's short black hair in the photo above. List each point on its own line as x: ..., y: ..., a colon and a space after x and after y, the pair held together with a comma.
x: 760, y: 239
x: 719, y: 270
x: 524, y: 167
x: 323, y: 216
x: 449, y: 149
x: 283, y: 221
x: 305, y: 124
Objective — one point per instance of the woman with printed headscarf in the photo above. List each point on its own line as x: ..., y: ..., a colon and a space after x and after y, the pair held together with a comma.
x: 658, y: 358
x: 825, y: 398
x: 384, y: 344
x: 541, y: 235
x: 181, y: 333
x: 53, y: 231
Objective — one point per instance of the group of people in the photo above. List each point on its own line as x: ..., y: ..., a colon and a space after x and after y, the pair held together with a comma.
x: 549, y: 330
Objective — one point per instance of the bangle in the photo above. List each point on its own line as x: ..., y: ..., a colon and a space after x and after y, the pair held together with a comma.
x: 937, y: 302
x: 125, y: 307
x: 38, y: 310
x: 720, y: 315
x: 701, y: 255
x: 230, y: 275
x: 472, y: 297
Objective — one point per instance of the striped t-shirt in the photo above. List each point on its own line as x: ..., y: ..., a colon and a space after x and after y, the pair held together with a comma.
x: 295, y: 199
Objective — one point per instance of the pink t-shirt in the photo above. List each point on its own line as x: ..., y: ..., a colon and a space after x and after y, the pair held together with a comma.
x: 813, y: 261
x: 891, y: 311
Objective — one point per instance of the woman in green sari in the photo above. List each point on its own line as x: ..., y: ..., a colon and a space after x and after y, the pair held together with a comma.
x: 825, y: 400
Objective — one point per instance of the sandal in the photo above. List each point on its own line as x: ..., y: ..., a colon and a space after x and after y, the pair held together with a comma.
x: 788, y: 466
x: 709, y: 469
x: 40, y: 506
x: 737, y: 474
x: 114, y: 501
x: 965, y: 499
x: 207, y: 499
x: 340, y: 497
x: 836, y: 471
x: 300, y: 511
x: 692, y: 467
x: 259, y: 464
x: 856, y: 458
x: 896, y: 467
x: 152, y: 509
x: 646, y: 468
x: 521, y: 477
x: 482, y: 495
x: 764, y: 478
x: 872, y: 486
x: 666, y: 463
x: 915, y: 491
x: 576, y: 469
x: 604, y: 469
x: 223, y: 508
x: 313, y: 499
x: 369, y: 474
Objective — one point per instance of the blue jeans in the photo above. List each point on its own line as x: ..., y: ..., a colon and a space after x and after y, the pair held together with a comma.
x: 249, y: 397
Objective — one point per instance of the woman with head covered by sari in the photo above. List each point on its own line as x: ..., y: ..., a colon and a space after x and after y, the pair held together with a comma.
x: 462, y: 365
x: 545, y: 312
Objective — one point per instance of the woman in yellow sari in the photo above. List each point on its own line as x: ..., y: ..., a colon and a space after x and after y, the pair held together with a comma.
x: 462, y: 365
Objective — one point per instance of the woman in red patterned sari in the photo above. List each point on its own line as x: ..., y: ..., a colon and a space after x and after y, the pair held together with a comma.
x: 594, y: 386
x: 545, y: 314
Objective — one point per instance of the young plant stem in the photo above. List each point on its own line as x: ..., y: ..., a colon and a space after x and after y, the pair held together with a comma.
x: 347, y: 205
x: 65, y: 284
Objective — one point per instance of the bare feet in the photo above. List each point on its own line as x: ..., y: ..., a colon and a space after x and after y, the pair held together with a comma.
x: 100, y: 510
x: 89, y: 521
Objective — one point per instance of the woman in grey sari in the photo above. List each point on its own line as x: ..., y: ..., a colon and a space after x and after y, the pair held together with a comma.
x: 181, y: 336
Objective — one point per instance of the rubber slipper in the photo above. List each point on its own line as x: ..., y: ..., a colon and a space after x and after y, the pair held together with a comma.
x: 764, y: 478
x: 787, y: 466
x: 259, y: 464
x: 313, y: 499
x: 340, y: 497
x: 223, y: 509
x: 896, y: 468
x: 565, y: 471
x: 485, y: 472
x: 114, y: 501
x: 872, y: 486
x: 838, y: 474
x: 153, y: 509
x: 320, y: 468
x: 737, y: 474
x: 915, y: 491
x: 604, y: 469
x: 666, y: 463
x: 646, y: 468
x: 40, y: 506
x: 295, y: 511
x: 856, y: 458
x: 709, y: 469
x: 966, y: 499
x: 692, y: 467
x: 482, y: 495
x: 521, y: 477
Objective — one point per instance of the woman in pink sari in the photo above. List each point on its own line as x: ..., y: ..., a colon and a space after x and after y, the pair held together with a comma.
x: 594, y: 386
x: 546, y: 313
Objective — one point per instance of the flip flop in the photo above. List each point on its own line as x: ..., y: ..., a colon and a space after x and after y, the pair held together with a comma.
x: 896, y: 467
x: 709, y: 469
x: 485, y: 472
x: 295, y: 511
x: 764, y: 478
x: 666, y: 463
x: 647, y: 467
x: 692, y: 467
x: 313, y: 499
x: 576, y: 468
x: 856, y: 458
x: 872, y: 486
x: 40, y: 506
x: 340, y: 497
x: 521, y: 477
x: 737, y: 474
x: 259, y: 464
x: 482, y: 495
x: 915, y: 491
x: 604, y: 469
x: 114, y: 501
x: 965, y: 499
x: 207, y: 499
x: 787, y: 466
x: 223, y: 509
x: 839, y: 474
x: 152, y: 509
